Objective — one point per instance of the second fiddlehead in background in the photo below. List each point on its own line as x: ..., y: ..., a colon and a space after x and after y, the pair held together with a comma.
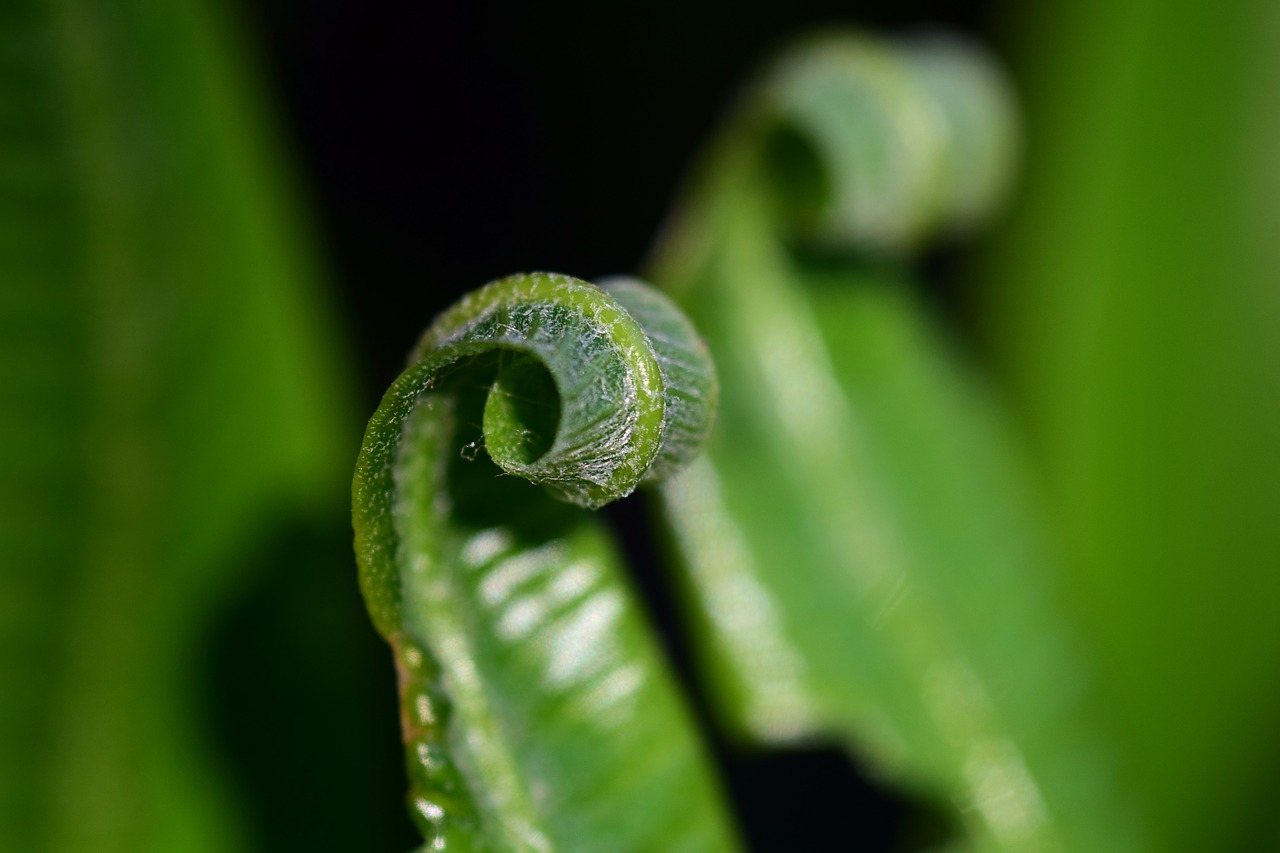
x: 860, y: 536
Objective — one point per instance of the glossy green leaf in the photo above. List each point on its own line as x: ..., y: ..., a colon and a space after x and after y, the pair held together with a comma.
x: 537, y: 711
x: 159, y: 403
x: 862, y: 554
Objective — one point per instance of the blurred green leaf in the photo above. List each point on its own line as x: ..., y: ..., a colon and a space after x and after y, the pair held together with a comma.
x: 1134, y: 303
x: 169, y: 385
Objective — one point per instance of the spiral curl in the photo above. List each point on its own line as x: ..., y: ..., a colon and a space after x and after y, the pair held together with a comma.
x: 507, y: 612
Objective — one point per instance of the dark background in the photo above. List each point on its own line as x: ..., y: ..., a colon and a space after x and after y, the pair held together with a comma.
x: 448, y: 144
x: 444, y: 145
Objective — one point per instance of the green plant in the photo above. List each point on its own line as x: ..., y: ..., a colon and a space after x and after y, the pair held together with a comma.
x: 533, y: 699
x: 863, y: 554
x: 860, y: 559
x: 174, y: 444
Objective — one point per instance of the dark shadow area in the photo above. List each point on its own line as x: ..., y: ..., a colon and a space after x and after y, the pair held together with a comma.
x: 302, y: 700
x: 448, y: 144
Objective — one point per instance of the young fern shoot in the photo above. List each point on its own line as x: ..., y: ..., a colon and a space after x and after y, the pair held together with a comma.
x: 537, y: 712
x: 859, y: 543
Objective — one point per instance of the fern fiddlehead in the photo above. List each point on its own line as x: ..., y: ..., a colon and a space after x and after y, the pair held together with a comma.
x: 859, y: 536
x: 535, y: 709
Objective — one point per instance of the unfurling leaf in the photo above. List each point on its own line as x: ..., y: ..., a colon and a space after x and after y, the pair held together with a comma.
x: 536, y: 709
x: 860, y: 543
